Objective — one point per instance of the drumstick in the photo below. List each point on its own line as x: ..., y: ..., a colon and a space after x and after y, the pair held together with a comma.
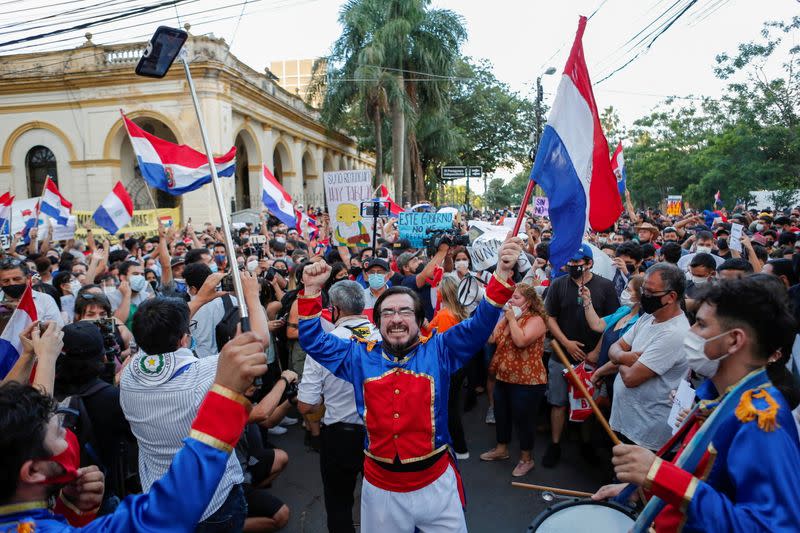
x: 579, y: 383
x: 554, y: 490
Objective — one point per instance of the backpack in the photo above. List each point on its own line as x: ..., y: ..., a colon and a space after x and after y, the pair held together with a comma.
x: 225, y: 330
x: 124, y: 469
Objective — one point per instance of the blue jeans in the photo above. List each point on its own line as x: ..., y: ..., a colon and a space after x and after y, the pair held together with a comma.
x: 229, y: 518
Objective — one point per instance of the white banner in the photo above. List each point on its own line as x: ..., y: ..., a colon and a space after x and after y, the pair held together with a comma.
x: 345, y: 190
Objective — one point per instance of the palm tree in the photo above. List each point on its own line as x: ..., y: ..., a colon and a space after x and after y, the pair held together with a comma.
x: 396, y: 56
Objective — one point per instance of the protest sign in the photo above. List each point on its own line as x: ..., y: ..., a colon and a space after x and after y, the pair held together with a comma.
x: 345, y: 190
x: 541, y: 206
x: 414, y: 226
x: 735, y: 240
x: 64, y: 233
x: 674, y: 205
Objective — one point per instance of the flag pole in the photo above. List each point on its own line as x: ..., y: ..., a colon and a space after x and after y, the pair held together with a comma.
x: 237, y: 282
x: 526, y: 198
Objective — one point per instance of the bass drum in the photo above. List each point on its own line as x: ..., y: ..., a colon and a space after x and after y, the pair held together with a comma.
x: 584, y: 515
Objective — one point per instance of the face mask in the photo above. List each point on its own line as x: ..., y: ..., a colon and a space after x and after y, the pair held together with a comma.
x: 355, y: 271
x: 517, y: 311
x: 602, y: 240
x: 631, y: 268
x: 652, y: 303
x: 213, y: 267
x: 694, y: 347
x: 462, y: 265
x: 759, y: 227
x: 420, y: 268
x: 138, y: 283
x: 703, y: 249
x: 69, y: 459
x: 192, y: 343
x: 280, y: 239
x: 376, y: 281
x: 699, y: 280
x: 109, y: 290
x: 14, y: 291
x: 74, y: 286
x: 722, y: 244
x: 154, y: 284
x: 625, y: 298
x: 252, y: 266
x: 770, y: 244
x: 576, y: 271
x: 220, y: 258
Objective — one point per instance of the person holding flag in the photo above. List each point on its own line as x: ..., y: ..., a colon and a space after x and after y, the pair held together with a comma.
x: 277, y: 200
x: 5, y: 213
x: 116, y: 211
x: 53, y: 204
x: 618, y: 167
x: 15, y: 281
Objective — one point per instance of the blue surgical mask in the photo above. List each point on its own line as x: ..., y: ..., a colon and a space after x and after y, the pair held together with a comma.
x: 138, y: 283
x: 376, y: 281
x: 213, y: 267
x: 192, y: 343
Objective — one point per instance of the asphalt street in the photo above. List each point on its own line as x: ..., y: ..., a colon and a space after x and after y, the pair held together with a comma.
x: 493, y: 505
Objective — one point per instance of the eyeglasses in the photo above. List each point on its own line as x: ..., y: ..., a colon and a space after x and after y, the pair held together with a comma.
x: 405, y: 312
x: 192, y: 326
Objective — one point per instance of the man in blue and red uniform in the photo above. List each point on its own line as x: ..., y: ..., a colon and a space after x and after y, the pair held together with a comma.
x: 42, y: 488
x: 401, y: 387
x: 749, y: 476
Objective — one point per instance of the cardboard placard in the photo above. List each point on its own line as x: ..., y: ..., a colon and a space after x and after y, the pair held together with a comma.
x: 541, y: 206
x: 345, y: 190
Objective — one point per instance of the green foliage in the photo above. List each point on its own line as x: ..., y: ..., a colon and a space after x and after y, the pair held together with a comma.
x: 500, y: 194
x: 748, y: 140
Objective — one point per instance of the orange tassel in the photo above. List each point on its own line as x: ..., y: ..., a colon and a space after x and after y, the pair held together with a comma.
x: 767, y: 418
x: 26, y: 527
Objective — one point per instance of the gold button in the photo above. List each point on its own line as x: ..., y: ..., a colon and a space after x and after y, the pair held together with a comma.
x: 397, y: 415
x: 397, y: 391
x: 396, y: 436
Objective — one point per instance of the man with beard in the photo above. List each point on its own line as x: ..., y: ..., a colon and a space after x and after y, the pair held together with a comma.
x: 401, y: 388
x: 567, y: 324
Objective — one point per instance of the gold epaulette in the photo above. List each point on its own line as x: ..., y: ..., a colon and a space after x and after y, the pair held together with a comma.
x: 370, y: 344
x: 767, y: 418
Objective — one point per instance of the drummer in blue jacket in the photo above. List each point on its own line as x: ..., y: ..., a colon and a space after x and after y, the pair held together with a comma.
x: 749, y: 477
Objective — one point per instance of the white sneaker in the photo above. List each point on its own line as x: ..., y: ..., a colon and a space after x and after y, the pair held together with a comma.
x: 462, y: 456
x: 277, y: 430
x: 288, y: 421
x: 490, y: 416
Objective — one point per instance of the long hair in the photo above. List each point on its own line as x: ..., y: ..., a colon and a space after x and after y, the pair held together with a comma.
x: 448, y: 288
x: 535, y: 304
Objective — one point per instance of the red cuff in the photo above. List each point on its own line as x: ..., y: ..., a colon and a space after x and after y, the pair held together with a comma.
x: 498, y: 292
x: 671, y: 483
x: 221, y: 418
x: 74, y: 516
x: 309, y: 306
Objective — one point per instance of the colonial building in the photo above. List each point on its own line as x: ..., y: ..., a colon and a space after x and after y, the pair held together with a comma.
x: 60, y: 116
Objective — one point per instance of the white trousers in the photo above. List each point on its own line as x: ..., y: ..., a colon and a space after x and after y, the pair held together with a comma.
x: 435, y: 508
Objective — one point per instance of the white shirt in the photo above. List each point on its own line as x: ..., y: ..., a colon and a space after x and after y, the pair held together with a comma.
x: 208, y: 317
x: 161, y: 416
x: 47, y: 308
x: 640, y: 413
x: 319, y: 382
x: 370, y: 299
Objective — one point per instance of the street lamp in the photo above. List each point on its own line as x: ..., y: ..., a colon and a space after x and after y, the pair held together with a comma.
x: 537, y: 132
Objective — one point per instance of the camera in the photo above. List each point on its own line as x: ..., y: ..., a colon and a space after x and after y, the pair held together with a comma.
x: 227, y: 283
x: 112, y: 351
x: 443, y: 236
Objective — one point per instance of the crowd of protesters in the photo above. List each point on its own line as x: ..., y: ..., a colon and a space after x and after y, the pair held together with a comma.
x: 132, y: 330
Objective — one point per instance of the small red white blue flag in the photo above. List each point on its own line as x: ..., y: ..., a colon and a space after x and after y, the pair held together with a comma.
x: 717, y: 198
x: 618, y: 167
x: 53, y: 204
x: 10, y: 344
x: 174, y: 168
x: 277, y: 200
x: 5, y: 212
x: 306, y: 222
x: 572, y: 164
x: 116, y: 210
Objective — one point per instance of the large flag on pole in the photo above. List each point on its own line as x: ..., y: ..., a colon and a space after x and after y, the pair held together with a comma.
x: 116, y: 210
x: 618, y: 167
x: 276, y: 199
x: 5, y: 213
x: 383, y: 194
x: 53, y: 204
x: 572, y: 164
x: 10, y: 345
x: 173, y: 168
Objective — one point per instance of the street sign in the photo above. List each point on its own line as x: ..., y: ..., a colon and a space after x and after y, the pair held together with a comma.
x: 454, y: 173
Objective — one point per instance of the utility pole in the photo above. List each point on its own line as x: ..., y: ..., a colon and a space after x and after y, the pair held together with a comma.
x: 536, y: 136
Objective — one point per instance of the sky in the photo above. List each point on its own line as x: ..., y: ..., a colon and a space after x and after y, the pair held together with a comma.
x: 521, y: 38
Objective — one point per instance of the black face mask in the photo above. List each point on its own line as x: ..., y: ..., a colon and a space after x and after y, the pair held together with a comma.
x: 154, y: 284
x: 420, y: 268
x: 631, y: 268
x: 770, y: 243
x: 722, y: 244
x: 355, y: 271
x: 651, y: 304
x: 15, y: 291
x: 576, y: 271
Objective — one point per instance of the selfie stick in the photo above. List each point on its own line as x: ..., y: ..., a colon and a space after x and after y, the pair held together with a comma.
x: 226, y: 230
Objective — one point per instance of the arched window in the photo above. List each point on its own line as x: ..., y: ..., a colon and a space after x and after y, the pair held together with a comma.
x: 40, y: 162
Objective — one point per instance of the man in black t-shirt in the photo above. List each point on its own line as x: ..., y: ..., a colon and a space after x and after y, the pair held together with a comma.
x: 567, y: 324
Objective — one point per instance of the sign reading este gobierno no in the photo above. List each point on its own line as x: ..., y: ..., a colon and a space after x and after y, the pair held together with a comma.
x: 414, y: 226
